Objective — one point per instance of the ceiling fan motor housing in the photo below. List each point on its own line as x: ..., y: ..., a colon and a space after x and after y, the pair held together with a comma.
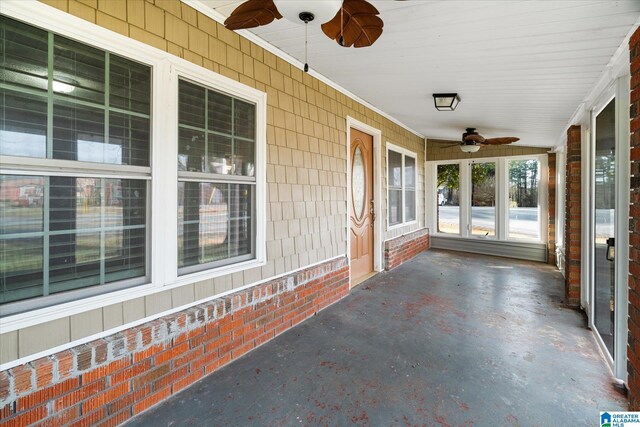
x: 469, y: 131
x: 306, y: 17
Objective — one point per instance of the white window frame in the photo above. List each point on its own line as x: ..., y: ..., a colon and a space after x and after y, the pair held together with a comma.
x: 190, y: 72
x: 502, y: 198
x: 404, y: 153
x: 162, y: 251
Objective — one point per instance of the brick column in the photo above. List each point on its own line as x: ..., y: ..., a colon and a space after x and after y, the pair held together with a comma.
x: 551, y: 238
x: 573, y: 220
x: 633, y: 345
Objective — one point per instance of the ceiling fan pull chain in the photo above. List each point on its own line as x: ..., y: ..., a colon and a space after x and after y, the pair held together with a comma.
x: 306, y: 64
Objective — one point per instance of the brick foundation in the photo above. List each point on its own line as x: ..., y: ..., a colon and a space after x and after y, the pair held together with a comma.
x: 573, y: 218
x: 633, y: 346
x: 403, y: 248
x: 109, y: 380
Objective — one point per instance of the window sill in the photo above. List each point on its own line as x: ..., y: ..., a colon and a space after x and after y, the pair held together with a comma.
x: 30, y: 318
x: 401, y: 225
x: 198, y: 276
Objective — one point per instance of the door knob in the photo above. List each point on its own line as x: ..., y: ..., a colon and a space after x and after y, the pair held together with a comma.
x: 611, y: 248
x: 372, y: 211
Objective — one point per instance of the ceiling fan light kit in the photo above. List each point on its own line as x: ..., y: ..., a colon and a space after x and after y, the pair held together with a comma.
x: 446, y: 101
x: 472, y: 141
x: 470, y: 148
x: 320, y: 10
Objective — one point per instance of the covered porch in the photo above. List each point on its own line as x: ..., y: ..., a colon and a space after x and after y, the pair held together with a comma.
x: 445, y: 339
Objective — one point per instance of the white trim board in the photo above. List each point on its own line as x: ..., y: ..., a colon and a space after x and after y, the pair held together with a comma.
x: 507, y: 249
x: 218, y: 17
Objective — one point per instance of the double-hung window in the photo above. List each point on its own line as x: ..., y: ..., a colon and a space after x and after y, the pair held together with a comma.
x: 216, y: 178
x: 74, y: 166
x: 401, y: 185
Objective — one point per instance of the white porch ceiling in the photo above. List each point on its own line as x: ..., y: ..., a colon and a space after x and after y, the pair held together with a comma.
x: 520, y: 67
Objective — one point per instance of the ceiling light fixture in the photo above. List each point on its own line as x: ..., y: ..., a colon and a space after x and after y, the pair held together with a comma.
x: 471, y: 148
x: 446, y: 101
x: 321, y: 11
x: 306, y: 11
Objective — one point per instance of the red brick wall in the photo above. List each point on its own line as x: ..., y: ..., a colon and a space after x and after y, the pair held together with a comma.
x: 551, y: 237
x: 109, y: 380
x: 403, y: 248
x: 633, y: 349
x: 573, y: 219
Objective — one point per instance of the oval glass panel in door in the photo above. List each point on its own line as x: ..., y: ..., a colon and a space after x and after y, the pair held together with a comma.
x: 357, y: 183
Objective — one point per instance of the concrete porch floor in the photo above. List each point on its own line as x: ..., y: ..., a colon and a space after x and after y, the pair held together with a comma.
x: 445, y: 339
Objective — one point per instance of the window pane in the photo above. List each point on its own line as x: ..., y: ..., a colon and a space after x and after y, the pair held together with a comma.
x: 483, y: 199
x: 245, y: 119
x: 23, y: 55
x: 21, y: 204
x: 394, y: 169
x: 21, y: 212
x: 214, y: 222
x: 78, y: 70
x: 409, y: 172
x: 191, y: 108
x: 129, y: 139
x: 96, y: 234
x: 524, y: 219
x: 243, y: 160
x: 129, y: 85
x: 220, y: 113
x: 220, y: 154
x: 105, y: 220
x: 191, y: 145
x: 240, y: 214
x: 448, y: 199
x: 395, y: 207
x: 23, y: 124
x: 74, y: 261
x: 410, y: 205
x: 20, y: 268
x: 78, y: 134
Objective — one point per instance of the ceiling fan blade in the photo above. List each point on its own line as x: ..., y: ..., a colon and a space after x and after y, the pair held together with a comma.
x: 370, y: 33
x: 500, y: 141
x: 475, y: 138
x: 357, y: 24
x: 252, y: 13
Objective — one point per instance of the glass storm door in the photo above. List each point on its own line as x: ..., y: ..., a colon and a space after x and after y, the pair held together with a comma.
x: 604, y: 225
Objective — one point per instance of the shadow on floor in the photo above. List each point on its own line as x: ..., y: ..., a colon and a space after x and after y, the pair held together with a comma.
x: 445, y: 339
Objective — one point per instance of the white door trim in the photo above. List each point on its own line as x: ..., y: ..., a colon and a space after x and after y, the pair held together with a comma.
x: 377, y: 190
x: 622, y: 224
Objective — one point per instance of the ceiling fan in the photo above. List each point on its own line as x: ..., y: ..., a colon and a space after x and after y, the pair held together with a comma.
x: 472, y: 141
x: 348, y: 22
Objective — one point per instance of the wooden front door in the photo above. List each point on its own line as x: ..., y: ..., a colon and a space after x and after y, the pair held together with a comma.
x: 362, y: 213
